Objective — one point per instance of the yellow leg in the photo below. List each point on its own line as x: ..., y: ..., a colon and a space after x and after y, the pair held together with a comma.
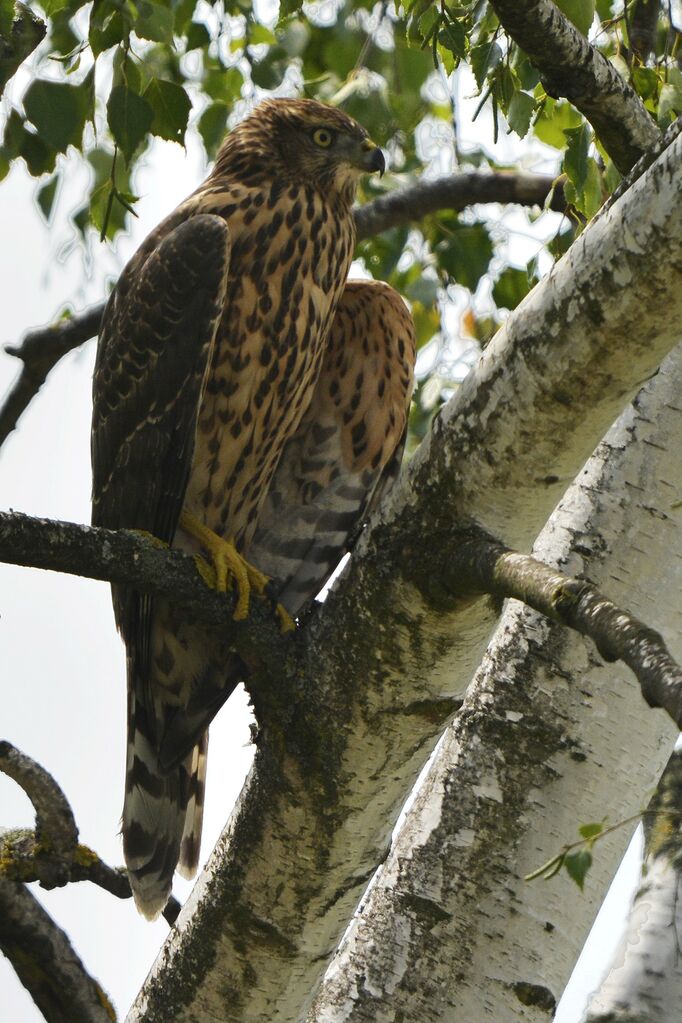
x: 228, y: 565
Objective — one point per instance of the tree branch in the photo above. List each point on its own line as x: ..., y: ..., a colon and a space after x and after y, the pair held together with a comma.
x: 138, y: 560
x: 455, y: 192
x: 27, y: 32
x: 45, y: 961
x: 576, y: 603
x: 569, y: 66
x: 42, y: 348
x: 38, y: 949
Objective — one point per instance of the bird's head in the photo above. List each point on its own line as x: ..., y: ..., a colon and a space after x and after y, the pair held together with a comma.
x: 301, y: 140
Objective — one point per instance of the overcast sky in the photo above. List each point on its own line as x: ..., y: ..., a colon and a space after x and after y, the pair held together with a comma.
x: 62, y: 662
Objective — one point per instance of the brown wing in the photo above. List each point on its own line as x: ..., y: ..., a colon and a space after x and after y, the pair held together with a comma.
x: 158, y: 329
x: 347, y: 448
x: 155, y: 346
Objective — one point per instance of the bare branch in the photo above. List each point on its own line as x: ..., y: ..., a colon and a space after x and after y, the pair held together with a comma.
x: 43, y: 347
x: 39, y: 352
x: 618, y: 635
x: 569, y: 66
x: 455, y: 192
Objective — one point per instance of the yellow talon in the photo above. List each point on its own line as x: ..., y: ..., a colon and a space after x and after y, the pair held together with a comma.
x: 286, y: 622
x: 226, y: 564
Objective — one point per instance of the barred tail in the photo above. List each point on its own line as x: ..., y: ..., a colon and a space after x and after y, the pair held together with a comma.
x: 162, y: 815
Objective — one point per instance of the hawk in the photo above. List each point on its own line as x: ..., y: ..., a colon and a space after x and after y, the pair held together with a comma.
x: 249, y: 406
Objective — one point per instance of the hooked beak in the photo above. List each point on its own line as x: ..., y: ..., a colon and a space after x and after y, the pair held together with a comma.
x: 372, y: 158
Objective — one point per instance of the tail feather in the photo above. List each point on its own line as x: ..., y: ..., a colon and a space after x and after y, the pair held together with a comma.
x: 162, y: 815
x: 190, y: 842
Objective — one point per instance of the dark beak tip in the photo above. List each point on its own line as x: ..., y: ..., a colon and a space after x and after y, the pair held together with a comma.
x: 378, y: 161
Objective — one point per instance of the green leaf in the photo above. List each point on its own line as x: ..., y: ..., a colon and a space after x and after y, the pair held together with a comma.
x: 646, y: 81
x: 453, y: 38
x: 669, y: 102
x: 511, y: 286
x: 197, y: 36
x: 428, y: 22
x: 6, y: 17
x: 46, y: 196
x: 590, y: 831
x: 130, y: 117
x: 212, y: 126
x: 592, y: 191
x: 520, y: 112
x: 577, y: 865
x: 484, y: 58
x: 154, y: 22
x: 59, y: 110
x: 554, y: 120
x: 107, y: 32
x: 575, y: 159
x: 171, y: 106
x: 465, y: 252
x: 580, y: 12
x: 223, y: 84
x: 289, y: 7
x: 183, y: 11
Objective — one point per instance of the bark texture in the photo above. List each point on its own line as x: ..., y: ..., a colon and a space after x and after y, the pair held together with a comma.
x: 450, y: 930
x: 644, y: 984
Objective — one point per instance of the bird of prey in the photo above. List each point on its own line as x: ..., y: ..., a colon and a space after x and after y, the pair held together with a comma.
x: 249, y: 406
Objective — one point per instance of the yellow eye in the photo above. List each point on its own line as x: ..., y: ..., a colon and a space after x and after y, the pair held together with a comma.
x: 323, y: 137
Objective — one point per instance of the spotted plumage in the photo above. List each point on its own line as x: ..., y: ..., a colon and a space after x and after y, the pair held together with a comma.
x: 214, y: 398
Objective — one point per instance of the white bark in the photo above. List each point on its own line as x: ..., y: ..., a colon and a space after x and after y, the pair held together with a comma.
x: 644, y: 985
x: 544, y: 742
x: 386, y: 660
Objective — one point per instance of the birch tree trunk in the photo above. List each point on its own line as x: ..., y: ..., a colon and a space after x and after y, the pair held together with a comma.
x: 644, y: 984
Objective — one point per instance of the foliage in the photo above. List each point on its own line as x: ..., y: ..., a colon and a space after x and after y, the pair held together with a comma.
x: 112, y: 75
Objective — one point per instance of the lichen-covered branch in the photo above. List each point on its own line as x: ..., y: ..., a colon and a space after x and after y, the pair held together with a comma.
x: 644, y: 984
x: 56, y: 830
x: 37, y: 948
x: 487, y: 567
x: 45, y: 961
x: 135, y: 559
x: 569, y: 66
x: 42, y: 348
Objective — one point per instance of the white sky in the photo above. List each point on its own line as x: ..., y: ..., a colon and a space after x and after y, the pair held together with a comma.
x: 63, y: 668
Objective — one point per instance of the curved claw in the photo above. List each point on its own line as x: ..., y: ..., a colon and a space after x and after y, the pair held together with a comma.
x: 226, y: 565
